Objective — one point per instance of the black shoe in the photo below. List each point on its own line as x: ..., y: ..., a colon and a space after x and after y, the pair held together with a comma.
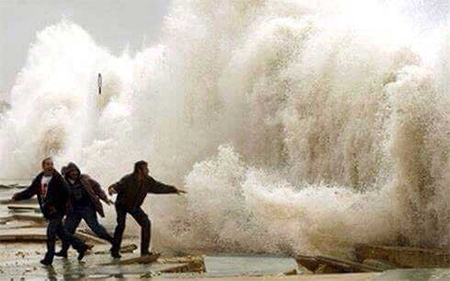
x: 115, y: 254
x: 82, y: 252
x: 46, y: 262
x: 61, y: 254
x: 115, y: 249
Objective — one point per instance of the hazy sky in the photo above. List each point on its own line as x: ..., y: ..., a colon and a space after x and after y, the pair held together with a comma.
x: 115, y: 23
x: 112, y: 24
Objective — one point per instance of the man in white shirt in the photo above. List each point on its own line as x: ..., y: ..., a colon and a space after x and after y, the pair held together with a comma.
x: 52, y: 194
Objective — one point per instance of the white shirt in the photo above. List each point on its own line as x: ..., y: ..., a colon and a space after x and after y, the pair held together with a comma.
x: 44, y: 185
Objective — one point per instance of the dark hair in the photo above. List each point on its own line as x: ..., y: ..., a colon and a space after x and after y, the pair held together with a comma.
x: 46, y: 159
x: 138, y: 165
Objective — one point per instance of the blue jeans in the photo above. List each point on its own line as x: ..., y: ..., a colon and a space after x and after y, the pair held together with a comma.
x: 89, y: 215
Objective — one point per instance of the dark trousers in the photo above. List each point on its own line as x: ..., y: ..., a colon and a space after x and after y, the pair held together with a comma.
x: 89, y: 215
x: 141, y: 218
x: 55, y: 228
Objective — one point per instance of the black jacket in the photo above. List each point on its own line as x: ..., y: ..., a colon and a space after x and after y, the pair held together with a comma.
x: 131, y: 196
x: 55, y: 202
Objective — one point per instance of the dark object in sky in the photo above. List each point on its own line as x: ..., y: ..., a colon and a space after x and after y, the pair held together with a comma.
x: 99, y: 83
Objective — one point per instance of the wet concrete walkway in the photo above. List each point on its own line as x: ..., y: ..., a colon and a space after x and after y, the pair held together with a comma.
x: 328, y: 277
x: 20, y: 261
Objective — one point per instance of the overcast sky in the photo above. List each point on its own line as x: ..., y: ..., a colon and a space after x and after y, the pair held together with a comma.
x: 115, y: 23
x: 112, y: 23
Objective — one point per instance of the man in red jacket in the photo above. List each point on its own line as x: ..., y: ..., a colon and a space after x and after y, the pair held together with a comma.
x: 84, y: 203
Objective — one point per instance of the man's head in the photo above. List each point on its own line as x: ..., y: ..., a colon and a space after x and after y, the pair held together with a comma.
x: 47, y: 165
x: 72, y: 172
x: 141, y: 168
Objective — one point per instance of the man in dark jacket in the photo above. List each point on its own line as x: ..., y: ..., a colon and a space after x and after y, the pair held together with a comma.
x: 84, y: 203
x: 131, y: 191
x: 53, y: 195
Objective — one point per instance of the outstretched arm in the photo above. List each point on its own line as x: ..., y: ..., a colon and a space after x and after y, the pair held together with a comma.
x: 27, y: 193
x: 157, y: 187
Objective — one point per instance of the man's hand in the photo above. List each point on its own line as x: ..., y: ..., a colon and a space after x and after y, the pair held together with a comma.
x: 111, y: 190
x: 14, y: 197
x: 180, y: 191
